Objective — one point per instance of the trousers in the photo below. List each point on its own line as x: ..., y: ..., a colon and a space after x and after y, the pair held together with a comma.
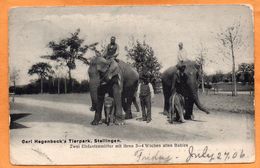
x: 145, y: 102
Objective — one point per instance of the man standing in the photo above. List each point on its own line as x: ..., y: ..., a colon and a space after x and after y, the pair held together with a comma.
x: 112, y: 49
x: 145, y: 92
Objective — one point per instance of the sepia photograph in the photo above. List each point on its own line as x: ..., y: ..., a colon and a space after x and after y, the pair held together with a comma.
x: 91, y: 85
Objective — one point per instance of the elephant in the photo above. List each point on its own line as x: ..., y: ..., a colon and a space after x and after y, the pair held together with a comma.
x: 109, y: 110
x: 186, y: 85
x: 118, y: 79
x: 177, y: 108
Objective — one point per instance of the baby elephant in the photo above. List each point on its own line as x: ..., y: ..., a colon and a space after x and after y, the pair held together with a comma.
x: 109, y: 110
x: 177, y: 103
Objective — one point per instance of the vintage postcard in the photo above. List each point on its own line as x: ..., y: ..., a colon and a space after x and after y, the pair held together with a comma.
x: 131, y: 85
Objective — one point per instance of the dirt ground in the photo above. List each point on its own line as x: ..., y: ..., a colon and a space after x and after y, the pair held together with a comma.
x: 242, y: 103
x: 58, y: 116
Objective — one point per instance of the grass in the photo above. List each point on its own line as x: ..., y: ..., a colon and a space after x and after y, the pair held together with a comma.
x: 219, y: 103
x: 223, y: 86
x: 75, y: 98
x: 227, y: 103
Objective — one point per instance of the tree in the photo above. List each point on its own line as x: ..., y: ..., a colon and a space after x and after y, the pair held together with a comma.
x: 58, y: 74
x: 202, y: 52
x: 42, y: 69
x: 230, y: 42
x: 143, y: 59
x: 246, y: 72
x: 14, y: 76
x: 246, y: 67
x: 217, y: 77
x: 68, y: 50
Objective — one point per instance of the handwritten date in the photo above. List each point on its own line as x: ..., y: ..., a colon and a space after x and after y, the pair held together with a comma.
x: 205, y: 154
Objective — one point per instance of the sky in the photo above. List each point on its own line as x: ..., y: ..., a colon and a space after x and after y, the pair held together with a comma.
x: 162, y: 27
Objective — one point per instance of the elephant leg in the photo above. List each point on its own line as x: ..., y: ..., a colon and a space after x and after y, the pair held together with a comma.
x: 100, y: 102
x: 118, y: 104
x: 93, y: 107
x: 128, y: 108
x: 167, y: 95
x: 181, y: 114
x: 136, y: 104
x: 106, y: 110
x: 112, y: 115
x: 189, y: 102
x: 171, y: 115
x: 108, y: 113
x: 124, y: 103
x: 171, y: 110
x: 98, y: 112
x: 93, y: 86
x: 177, y: 115
x: 93, y: 103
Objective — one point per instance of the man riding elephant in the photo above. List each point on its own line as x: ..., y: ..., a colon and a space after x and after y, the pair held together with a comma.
x: 112, y: 49
x: 187, y: 86
x: 120, y: 81
x: 115, y: 77
x: 111, y: 52
x: 181, y: 56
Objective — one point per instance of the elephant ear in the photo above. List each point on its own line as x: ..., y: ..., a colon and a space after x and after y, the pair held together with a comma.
x: 113, y: 70
x: 102, y: 65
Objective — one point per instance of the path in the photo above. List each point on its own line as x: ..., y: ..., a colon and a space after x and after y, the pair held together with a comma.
x: 56, y: 120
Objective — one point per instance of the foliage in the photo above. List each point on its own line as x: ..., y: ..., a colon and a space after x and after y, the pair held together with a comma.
x: 230, y: 41
x: 245, y: 73
x: 246, y: 67
x: 50, y: 86
x: 218, y: 77
x: 68, y: 49
x: 42, y: 69
x: 143, y: 59
x: 202, y: 52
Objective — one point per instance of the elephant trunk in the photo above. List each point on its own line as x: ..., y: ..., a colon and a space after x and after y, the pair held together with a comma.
x: 198, y: 103
x: 93, y: 86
